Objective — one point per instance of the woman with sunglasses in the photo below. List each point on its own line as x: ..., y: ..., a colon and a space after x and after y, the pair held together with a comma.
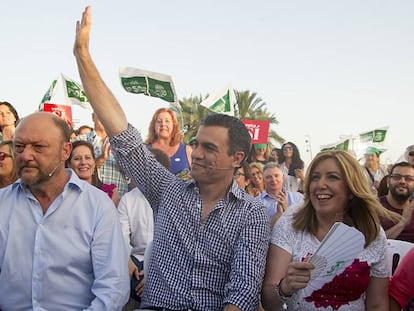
x: 8, y: 174
x: 292, y: 167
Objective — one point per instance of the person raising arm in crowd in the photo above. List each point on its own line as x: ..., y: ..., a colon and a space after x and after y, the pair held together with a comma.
x: 210, y: 237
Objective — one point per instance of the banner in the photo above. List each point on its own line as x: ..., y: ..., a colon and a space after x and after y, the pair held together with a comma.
x: 62, y: 111
x: 374, y: 136
x: 341, y: 145
x: 149, y: 83
x: 221, y: 102
x: 74, y: 93
x: 258, y: 130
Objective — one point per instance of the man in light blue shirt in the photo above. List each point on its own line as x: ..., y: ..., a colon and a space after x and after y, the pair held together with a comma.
x: 274, y: 197
x: 61, y: 245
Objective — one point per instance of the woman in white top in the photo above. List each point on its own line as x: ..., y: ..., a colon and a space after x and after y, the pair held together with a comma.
x: 335, y: 191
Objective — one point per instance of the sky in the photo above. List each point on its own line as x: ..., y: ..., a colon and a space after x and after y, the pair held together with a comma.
x: 326, y: 69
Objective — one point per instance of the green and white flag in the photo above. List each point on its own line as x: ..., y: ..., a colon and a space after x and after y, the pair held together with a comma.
x: 49, y: 93
x: 341, y: 145
x: 149, y: 83
x: 374, y: 136
x: 74, y: 93
x: 221, y: 102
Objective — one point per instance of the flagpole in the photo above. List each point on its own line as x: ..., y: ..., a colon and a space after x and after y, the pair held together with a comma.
x: 308, y: 145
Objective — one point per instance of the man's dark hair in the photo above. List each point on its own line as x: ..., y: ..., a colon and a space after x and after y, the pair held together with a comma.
x: 239, y: 137
x: 400, y: 164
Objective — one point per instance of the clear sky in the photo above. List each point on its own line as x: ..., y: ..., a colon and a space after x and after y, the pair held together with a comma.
x: 324, y: 68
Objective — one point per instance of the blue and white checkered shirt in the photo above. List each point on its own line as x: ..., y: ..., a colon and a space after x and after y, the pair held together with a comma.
x: 196, y: 265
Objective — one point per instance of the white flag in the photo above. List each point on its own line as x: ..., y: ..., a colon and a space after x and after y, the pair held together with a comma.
x: 149, y: 83
x: 74, y: 93
x: 221, y: 102
x: 50, y: 93
x: 376, y: 136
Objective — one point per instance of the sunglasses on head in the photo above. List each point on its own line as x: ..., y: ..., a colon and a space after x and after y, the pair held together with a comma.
x: 3, y: 155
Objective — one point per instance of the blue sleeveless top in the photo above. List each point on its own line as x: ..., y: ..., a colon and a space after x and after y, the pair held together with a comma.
x: 178, y: 162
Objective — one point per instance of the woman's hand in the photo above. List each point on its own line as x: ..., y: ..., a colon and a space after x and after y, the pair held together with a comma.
x: 297, y: 277
x: 299, y: 173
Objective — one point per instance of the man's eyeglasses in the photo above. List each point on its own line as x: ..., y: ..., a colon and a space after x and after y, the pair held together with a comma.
x: 411, y: 153
x: 3, y: 155
x: 287, y: 148
x: 238, y: 174
x: 398, y: 177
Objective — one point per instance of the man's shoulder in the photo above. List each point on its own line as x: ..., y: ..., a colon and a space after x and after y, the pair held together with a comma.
x: 384, y: 202
x: 134, y: 196
x: 295, y: 195
x: 90, y: 193
x: 263, y: 195
x: 249, y: 203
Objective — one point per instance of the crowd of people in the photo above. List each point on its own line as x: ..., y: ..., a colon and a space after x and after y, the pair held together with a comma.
x: 233, y: 225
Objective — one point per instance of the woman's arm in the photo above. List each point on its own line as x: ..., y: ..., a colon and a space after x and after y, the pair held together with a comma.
x: 377, y: 294
x: 291, y: 275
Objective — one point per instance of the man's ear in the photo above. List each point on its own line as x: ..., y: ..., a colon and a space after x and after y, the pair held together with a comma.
x: 238, y: 158
x: 66, y: 150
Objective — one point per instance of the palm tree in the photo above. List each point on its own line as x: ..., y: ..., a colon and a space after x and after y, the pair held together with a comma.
x: 189, y: 114
x: 249, y: 106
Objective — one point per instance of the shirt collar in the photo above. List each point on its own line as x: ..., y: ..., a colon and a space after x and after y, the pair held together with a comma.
x: 234, y: 191
x: 73, y: 180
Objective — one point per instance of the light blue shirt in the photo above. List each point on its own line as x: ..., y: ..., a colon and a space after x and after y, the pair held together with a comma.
x: 73, y: 257
x: 293, y: 198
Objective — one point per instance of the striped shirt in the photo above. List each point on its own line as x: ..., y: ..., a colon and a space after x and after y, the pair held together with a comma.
x: 196, y: 265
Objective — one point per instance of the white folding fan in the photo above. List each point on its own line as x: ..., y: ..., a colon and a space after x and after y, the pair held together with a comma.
x: 337, y: 251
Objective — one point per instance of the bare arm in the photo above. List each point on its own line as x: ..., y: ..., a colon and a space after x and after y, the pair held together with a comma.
x: 279, y: 265
x: 377, y: 294
x: 101, y: 98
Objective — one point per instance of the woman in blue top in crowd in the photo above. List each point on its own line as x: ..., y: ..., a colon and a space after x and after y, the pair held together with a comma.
x: 164, y: 133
